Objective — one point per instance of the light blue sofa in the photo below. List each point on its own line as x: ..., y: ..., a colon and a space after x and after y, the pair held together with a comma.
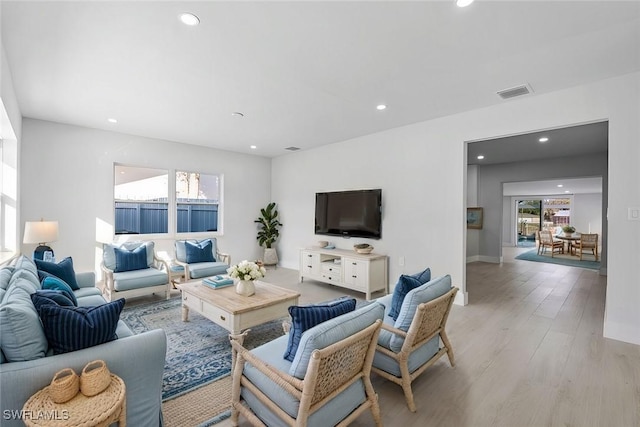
x: 29, y: 366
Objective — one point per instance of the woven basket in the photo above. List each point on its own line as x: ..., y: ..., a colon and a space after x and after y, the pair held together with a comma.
x: 64, y: 386
x: 95, y: 378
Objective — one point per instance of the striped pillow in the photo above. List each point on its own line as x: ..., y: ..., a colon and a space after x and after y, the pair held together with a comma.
x: 127, y: 260
x: 303, y: 318
x: 74, y: 328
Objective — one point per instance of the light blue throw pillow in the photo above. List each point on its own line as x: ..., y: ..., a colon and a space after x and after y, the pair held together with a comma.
x: 424, y: 293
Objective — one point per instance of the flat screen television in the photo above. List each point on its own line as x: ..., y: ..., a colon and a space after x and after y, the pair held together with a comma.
x: 354, y: 213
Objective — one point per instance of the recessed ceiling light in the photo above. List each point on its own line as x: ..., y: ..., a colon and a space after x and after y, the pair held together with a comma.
x: 543, y: 139
x: 463, y: 3
x: 480, y: 157
x: 567, y: 191
x: 189, y: 19
x: 381, y: 107
x: 237, y: 114
x: 112, y: 120
x: 253, y: 147
x: 560, y: 185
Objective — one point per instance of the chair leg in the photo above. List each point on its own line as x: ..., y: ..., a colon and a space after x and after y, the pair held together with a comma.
x: 372, y: 396
x: 447, y: 344
x: 406, y: 385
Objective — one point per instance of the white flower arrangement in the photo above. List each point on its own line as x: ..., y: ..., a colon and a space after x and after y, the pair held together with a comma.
x: 246, y: 270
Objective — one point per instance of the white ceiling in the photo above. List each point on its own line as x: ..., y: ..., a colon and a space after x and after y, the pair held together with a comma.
x: 303, y: 73
x: 569, y: 187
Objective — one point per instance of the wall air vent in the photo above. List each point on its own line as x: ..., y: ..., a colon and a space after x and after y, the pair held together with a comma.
x: 515, y: 91
x: 292, y: 148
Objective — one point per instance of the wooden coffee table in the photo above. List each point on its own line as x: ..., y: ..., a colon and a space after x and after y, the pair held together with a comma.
x: 236, y: 312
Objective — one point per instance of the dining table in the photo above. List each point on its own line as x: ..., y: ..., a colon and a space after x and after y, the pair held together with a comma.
x: 570, y: 239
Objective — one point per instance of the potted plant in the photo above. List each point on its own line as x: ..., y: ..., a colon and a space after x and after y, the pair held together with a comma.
x: 268, y: 232
x: 568, y: 229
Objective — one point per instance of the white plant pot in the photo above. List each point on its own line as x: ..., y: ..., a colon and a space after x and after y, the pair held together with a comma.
x: 270, y: 256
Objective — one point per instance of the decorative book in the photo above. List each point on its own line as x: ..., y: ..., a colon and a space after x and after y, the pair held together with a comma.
x: 217, y: 281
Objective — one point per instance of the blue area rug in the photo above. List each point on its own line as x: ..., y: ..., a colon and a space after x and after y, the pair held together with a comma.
x: 561, y: 259
x: 198, y: 351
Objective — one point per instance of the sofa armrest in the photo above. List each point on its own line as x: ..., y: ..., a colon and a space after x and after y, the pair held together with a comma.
x: 139, y: 360
x: 86, y: 279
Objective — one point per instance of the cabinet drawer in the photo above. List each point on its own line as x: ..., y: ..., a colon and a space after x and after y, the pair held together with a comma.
x: 191, y: 301
x: 336, y: 278
x: 331, y: 268
x: 216, y: 314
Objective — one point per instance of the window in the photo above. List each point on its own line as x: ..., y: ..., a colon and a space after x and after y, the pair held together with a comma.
x: 141, y: 200
x: 148, y: 202
x: 197, y: 197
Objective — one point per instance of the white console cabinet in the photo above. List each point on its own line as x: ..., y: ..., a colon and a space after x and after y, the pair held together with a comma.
x: 365, y: 273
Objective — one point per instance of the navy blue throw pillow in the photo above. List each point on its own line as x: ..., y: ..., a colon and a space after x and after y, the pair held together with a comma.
x: 199, y: 252
x: 423, y: 276
x: 404, y: 285
x: 74, y: 328
x: 63, y: 270
x: 54, y: 283
x: 50, y: 296
x: 306, y: 317
x: 127, y: 260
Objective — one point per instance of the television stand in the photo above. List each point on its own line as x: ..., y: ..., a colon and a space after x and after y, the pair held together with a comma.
x: 365, y: 273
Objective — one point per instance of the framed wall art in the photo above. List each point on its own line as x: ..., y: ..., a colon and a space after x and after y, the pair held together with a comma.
x: 474, y: 218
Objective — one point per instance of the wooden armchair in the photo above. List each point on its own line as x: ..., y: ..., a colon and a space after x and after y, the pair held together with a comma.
x: 420, y: 348
x: 335, y: 389
x: 217, y: 263
x: 588, y: 242
x: 150, y: 278
x: 547, y: 241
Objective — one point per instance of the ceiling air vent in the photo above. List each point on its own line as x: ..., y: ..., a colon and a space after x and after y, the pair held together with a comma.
x: 292, y: 148
x: 515, y: 91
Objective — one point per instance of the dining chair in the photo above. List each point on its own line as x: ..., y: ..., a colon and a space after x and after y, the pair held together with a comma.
x: 588, y: 242
x: 547, y: 241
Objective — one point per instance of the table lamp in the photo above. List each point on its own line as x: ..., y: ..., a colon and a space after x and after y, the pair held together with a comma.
x: 41, y: 232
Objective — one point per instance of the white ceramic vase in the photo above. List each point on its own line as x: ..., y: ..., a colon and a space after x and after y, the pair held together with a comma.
x: 245, y: 287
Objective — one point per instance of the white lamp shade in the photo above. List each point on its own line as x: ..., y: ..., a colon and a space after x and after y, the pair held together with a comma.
x: 40, y: 231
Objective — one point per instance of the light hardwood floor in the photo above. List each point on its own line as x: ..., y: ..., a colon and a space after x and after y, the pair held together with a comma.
x: 529, y: 352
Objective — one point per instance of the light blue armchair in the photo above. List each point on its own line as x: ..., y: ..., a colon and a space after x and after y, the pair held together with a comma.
x: 201, y: 258
x: 411, y: 343
x: 328, y: 383
x: 132, y: 269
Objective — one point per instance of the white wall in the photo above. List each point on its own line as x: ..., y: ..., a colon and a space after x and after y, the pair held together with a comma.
x: 10, y: 133
x: 67, y: 175
x: 8, y: 97
x: 422, y: 171
x: 586, y: 213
